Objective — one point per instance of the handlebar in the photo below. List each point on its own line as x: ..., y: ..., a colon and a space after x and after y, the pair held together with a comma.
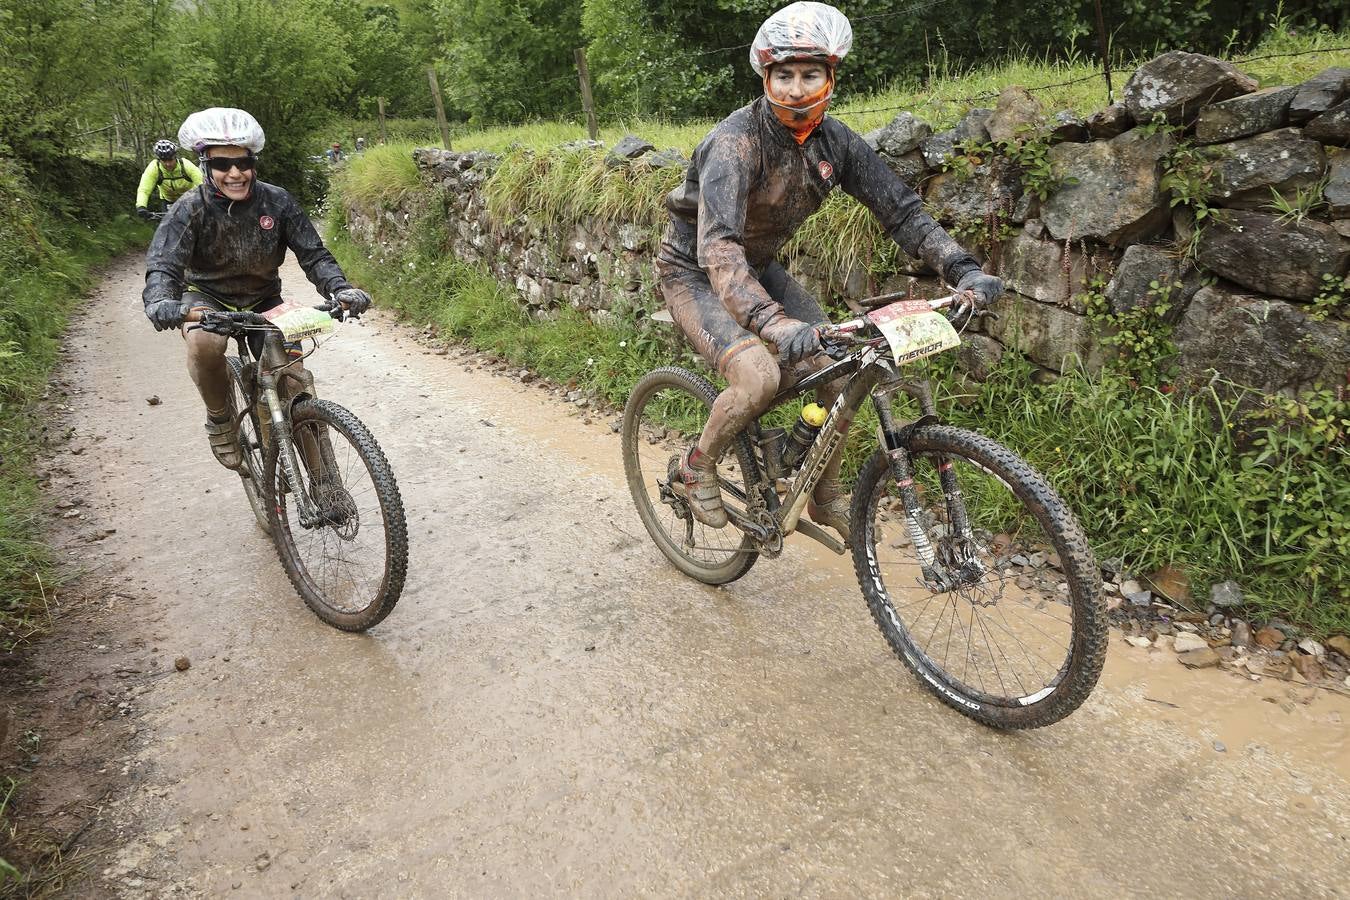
x: 852, y: 329
x: 231, y: 322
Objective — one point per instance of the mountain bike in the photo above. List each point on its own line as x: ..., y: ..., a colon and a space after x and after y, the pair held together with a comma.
x: 954, y: 539
x: 314, y: 476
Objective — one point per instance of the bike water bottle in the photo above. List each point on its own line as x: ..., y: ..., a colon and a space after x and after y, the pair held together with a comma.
x: 803, y: 434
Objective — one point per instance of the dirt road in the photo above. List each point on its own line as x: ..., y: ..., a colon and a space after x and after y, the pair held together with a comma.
x: 551, y: 709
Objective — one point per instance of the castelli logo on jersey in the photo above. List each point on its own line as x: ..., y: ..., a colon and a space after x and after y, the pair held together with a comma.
x: 826, y: 170
x: 266, y: 222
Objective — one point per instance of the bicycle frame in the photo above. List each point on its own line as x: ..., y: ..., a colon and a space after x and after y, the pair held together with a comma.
x: 871, y: 375
x: 262, y: 381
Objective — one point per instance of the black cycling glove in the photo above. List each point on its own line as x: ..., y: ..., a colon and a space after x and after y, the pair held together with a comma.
x: 165, y: 314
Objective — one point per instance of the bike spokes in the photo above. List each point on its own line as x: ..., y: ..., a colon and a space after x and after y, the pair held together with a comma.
x: 985, y: 587
x: 665, y: 414
x: 339, y: 535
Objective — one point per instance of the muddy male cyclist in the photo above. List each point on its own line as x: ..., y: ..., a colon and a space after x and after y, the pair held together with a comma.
x: 752, y: 182
x: 167, y: 175
x: 220, y: 248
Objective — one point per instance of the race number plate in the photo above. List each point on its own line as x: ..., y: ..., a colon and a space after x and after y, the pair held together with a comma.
x: 914, y: 330
x: 297, y: 322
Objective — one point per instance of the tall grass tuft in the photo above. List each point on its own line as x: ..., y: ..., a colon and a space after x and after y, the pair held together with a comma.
x: 571, y: 186
x: 382, y: 177
x: 45, y: 265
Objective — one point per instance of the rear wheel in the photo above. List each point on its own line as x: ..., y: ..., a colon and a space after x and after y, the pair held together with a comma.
x: 666, y: 413
x: 250, y: 440
x: 348, y: 566
x: 1019, y: 639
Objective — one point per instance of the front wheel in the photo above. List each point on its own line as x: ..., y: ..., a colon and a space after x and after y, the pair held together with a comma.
x: 1019, y: 640
x: 350, y: 564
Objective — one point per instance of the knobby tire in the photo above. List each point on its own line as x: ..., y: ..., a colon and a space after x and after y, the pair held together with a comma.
x: 1087, y: 645
x: 342, y: 423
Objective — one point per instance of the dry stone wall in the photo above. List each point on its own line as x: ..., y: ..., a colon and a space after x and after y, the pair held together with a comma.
x: 1245, y: 279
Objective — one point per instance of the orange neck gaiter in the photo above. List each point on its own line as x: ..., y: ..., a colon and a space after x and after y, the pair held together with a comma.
x: 804, y: 117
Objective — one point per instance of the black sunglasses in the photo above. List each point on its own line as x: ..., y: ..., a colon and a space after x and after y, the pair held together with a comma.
x: 223, y: 164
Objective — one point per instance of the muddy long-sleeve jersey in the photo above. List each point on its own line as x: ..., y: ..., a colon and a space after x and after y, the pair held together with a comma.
x: 749, y: 188
x: 233, y: 250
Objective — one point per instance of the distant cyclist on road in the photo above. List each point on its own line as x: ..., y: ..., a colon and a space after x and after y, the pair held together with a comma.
x: 167, y: 177
x: 752, y: 183
x: 221, y: 248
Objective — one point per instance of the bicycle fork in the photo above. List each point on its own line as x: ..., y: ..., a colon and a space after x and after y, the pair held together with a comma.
x: 941, y: 571
x: 283, y: 435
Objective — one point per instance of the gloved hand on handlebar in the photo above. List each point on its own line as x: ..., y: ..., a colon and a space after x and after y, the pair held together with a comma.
x: 987, y: 288
x: 144, y: 213
x: 976, y: 290
x: 796, y: 340
x: 354, y: 300
x: 165, y: 314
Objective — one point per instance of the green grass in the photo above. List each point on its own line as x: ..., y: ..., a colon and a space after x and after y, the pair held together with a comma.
x: 941, y: 101
x: 46, y: 264
x: 572, y: 186
x: 381, y: 177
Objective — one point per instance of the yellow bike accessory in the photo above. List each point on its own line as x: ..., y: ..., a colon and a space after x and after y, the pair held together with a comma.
x: 814, y: 414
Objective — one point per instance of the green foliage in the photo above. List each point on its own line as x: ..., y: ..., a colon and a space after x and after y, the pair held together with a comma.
x: 1141, y: 335
x: 281, y: 60
x: 382, y: 177
x: 573, y: 185
x: 1030, y: 153
x: 1307, y: 201
x: 1188, y: 178
x: 1330, y: 300
x: 509, y: 61
x: 45, y: 263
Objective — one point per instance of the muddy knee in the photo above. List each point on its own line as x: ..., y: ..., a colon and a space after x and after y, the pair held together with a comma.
x: 206, y: 366
x: 754, y: 376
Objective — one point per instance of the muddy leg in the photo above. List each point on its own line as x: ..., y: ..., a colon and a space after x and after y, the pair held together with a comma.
x: 752, y: 380
x: 206, y: 366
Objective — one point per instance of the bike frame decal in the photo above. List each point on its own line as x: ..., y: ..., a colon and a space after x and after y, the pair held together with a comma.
x: 297, y: 322
x: 914, y: 330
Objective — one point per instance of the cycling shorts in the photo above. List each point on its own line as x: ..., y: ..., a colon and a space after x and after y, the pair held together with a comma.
x: 712, y: 331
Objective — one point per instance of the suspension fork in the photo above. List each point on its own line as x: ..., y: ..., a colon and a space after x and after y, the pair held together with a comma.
x: 283, y: 435
x: 895, y: 439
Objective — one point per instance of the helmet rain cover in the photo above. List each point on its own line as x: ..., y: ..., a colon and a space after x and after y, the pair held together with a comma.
x: 802, y: 31
x: 221, y: 127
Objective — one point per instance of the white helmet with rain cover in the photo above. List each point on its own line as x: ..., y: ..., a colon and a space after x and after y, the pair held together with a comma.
x: 221, y: 126
x: 802, y: 31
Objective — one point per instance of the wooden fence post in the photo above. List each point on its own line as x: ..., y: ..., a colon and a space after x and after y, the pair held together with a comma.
x: 587, y: 101
x: 1102, y: 46
x: 384, y: 135
x: 440, y: 107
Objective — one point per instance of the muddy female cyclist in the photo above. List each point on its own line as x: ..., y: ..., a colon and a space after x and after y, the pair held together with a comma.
x: 752, y: 182
x: 221, y: 247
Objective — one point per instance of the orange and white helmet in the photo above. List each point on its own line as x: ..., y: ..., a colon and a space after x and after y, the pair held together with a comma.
x: 802, y: 31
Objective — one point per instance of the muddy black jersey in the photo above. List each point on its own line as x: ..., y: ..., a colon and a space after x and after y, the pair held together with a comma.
x: 233, y: 250
x: 749, y: 188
